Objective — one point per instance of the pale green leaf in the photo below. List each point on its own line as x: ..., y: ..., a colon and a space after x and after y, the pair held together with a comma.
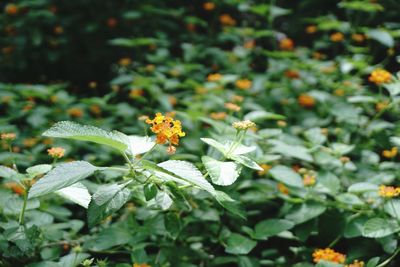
x: 76, y: 193
x: 62, y: 176
x: 73, y: 130
x: 286, y: 175
x: 221, y: 173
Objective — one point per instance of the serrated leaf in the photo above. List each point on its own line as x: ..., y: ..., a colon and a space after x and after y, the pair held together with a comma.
x: 62, y: 176
x: 378, y: 227
x: 6, y: 172
x: 39, y: 169
x: 305, y: 212
x: 183, y: 171
x: 362, y: 187
x: 286, y: 175
x: 76, y: 193
x: 271, y: 227
x: 382, y: 37
x: 239, y: 245
x: 139, y: 144
x: 73, y: 130
x: 292, y: 151
x: 221, y: 173
x: 107, y: 200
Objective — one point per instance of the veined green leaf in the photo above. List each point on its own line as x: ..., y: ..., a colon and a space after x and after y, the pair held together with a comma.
x: 379, y: 227
x: 107, y: 200
x: 62, y: 176
x: 73, y: 130
x: 221, y: 173
x: 286, y: 175
x: 76, y: 193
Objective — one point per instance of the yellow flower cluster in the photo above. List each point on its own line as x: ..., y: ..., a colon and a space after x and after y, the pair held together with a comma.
x: 328, y: 254
x: 380, y: 76
x: 8, y: 136
x: 388, y: 191
x: 232, y: 107
x: 286, y: 44
x: 243, y: 84
x: 390, y: 153
x: 56, y: 152
x: 215, y: 77
x: 265, y: 168
x: 243, y: 125
x: 337, y: 37
x: 140, y: 265
x: 309, y: 176
x: 227, y: 20
x: 356, y: 263
x: 306, y: 101
x: 167, y: 130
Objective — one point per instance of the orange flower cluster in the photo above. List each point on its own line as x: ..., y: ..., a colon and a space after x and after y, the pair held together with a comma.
x: 337, y: 37
x: 125, y: 61
x: 218, y: 115
x: 209, y: 6
x: 306, y: 101
x: 380, y: 76
x: 286, y: 44
x: 328, y: 254
x: 283, y: 189
x: 135, y: 93
x: 390, y: 153
x: 167, y: 130
x: 358, y: 37
x: 56, y: 152
x: 292, y: 74
x: 11, y: 9
x: 232, y: 107
x: 75, y: 112
x: 388, y: 191
x: 8, y: 136
x: 265, y: 168
x: 356, y: 263
x: 243, y: 84
x: 227, y: 20
x: 311, y: 29
x: 140, y: 265
x: 214, y: 77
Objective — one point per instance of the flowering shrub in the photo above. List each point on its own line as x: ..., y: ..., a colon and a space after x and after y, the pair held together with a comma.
x: 214, y: 133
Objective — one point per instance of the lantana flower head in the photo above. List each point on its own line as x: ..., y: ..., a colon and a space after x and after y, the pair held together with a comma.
x: 380, y: 76
x: 56, y: 152
x: 8, y: 136
x: 167, y: 130
x: 328, y: 254
x: 388, y: 191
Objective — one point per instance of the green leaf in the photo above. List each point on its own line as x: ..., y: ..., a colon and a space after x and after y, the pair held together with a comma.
x: 286, y: 175
x: 305, y: 212
x: 382, y: 37
x: 378, y: 227
x: 62, y: 176
x: 349, y: 199
x: 260, y: 115
x: 230, y: 204
x: 150, y: 191
x: 392, y: 207
x: 73, y: 130
x: 182, y: 172
x: 221, y: 173
x: 246, y: 162
x: 271, y: 227
x: 293, y: 151
x: 76, y: 193
x: 107, y: 200
x: 362, y: 187
x: 373, y: 262
x: 215, y: 144
x: 38, y: 169
x: 315, y: 136
x: 6, y: 172
x: 139, y: 144
x: 239, y: 245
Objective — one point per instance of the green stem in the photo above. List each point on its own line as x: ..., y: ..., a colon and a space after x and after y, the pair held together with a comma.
x: 22, y: 214
x: 386, y: 262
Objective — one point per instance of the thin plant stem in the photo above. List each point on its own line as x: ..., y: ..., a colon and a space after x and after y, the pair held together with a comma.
x: 22, y: 214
